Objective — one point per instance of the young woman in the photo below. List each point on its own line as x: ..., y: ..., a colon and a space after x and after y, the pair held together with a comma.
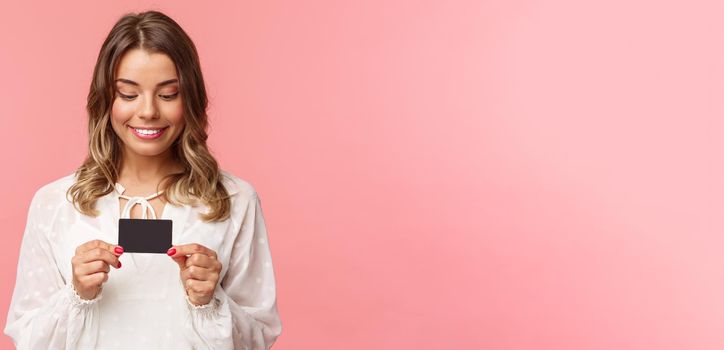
x: 147, y: 158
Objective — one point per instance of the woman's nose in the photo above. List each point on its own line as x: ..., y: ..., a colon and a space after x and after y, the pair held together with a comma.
x: 148, y: 109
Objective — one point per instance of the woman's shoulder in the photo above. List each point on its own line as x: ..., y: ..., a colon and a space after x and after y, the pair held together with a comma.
x: 50, y: 196
x: 54, y: 193
x: 55, y: 190
x: 237, y: 186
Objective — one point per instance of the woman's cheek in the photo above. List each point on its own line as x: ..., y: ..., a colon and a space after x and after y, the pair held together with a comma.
x: 175, y: 114
x: 120, y: 109
x: 176, y: 109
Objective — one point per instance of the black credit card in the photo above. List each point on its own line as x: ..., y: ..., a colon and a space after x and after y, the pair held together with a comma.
x: 144, y: 235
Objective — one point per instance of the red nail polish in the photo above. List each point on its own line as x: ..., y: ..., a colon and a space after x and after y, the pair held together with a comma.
x: 119, y: 264
x: 118, y: 250
x: 171, y: 251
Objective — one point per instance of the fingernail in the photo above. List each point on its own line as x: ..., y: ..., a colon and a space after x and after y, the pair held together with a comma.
x: 171, y: 251
x: 118, y: 250
x: 119, y: 264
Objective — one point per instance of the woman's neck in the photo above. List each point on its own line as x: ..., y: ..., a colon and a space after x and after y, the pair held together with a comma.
x: 139, y: 169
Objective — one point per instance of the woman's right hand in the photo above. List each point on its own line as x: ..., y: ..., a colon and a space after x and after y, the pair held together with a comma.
x: 91, y: 266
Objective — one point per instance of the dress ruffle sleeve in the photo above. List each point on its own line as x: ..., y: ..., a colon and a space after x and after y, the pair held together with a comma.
x: 45, y: 311
x: 243, y: 312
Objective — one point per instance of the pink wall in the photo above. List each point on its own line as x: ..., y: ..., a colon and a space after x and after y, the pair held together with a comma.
x: 435, y: 174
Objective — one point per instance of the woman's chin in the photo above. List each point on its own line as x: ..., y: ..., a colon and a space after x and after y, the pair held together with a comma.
x: 147, y: 151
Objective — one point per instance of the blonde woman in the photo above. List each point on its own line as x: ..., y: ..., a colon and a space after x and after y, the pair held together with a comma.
x: 76, y: 288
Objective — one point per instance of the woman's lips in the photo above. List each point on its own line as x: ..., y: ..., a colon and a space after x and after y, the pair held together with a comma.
x: 148, y: 134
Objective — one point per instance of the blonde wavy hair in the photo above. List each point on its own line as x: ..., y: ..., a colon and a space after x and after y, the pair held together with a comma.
x: 201, y: 179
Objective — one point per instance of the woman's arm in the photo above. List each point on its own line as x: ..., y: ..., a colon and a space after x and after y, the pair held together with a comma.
x: 243, y: 313
x: 45, y: 312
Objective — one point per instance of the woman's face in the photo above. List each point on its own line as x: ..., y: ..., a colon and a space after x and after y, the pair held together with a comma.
x: 147, y: 112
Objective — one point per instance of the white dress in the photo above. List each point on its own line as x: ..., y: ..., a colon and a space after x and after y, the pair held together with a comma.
x: 143, y: 305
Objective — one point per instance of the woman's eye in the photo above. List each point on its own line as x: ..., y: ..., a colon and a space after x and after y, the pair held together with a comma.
x: 168, y: 97
x: 126, y: 97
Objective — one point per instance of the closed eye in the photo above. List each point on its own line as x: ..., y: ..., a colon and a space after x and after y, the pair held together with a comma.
x: 165, y: 97
x: 126, y: 97
x: 169, y: 97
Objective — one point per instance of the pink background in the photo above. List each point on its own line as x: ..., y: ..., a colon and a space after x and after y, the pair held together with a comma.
x: 435, y: 174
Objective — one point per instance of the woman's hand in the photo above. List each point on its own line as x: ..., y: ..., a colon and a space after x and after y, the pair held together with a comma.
x: 91, y: 266
x: 199, y: 271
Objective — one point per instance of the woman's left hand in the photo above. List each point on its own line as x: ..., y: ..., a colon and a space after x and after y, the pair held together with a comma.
x: 199, y: 271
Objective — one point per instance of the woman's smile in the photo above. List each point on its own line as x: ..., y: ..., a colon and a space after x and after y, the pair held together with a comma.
x: 148, y: 134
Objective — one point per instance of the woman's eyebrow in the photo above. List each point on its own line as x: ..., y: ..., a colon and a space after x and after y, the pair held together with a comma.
x: 165, y: 82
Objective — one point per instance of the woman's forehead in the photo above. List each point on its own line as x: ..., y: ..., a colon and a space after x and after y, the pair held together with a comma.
x: 145, y: 68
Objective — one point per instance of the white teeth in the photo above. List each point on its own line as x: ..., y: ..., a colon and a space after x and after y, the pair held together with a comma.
x: 147, y: 131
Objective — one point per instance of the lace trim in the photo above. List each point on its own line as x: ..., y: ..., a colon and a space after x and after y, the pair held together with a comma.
x: 77, y: 301
x: 206, y: 310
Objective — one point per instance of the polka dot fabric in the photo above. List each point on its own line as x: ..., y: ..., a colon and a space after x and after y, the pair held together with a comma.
x: 143, y: 305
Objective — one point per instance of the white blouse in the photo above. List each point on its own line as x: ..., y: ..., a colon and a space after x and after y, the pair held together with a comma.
x: 143, y: 305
